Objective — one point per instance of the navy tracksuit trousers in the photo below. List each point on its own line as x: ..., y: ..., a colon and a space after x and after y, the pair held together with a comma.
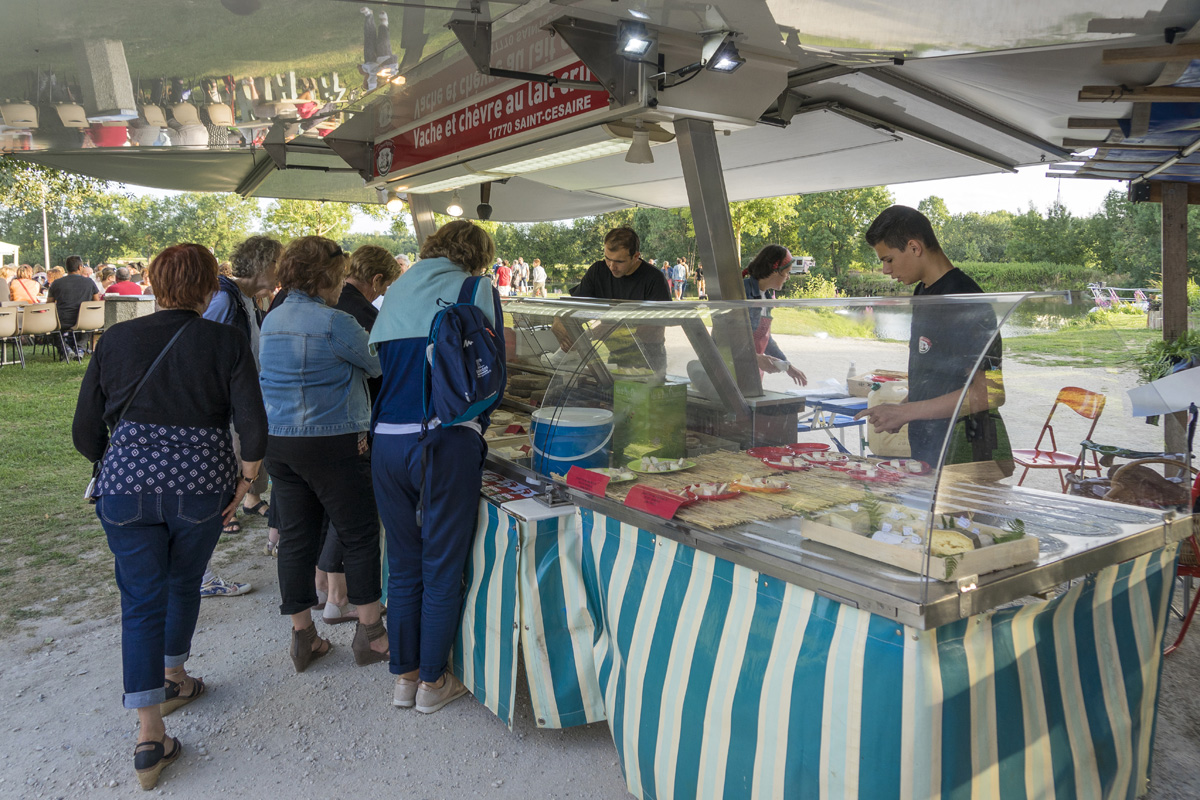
x: 426, y: 562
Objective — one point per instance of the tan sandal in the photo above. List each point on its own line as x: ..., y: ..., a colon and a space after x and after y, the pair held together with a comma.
x: 302, y: 651
x: 151, y: 758
x: 176, y: 698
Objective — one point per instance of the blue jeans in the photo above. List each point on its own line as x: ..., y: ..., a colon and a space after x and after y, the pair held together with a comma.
x: 162, y: 543
x: 426, y: 562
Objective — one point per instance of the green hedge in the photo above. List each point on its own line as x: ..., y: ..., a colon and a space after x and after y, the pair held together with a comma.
x: 1009, y: 277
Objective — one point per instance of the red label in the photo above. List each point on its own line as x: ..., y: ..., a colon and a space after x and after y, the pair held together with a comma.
x: 521, y: 108
x: 514, y: 429
x: 654, y: 501
x: 587, y: 481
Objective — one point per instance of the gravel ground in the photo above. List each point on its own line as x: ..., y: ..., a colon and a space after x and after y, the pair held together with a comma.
x: 263, y: 731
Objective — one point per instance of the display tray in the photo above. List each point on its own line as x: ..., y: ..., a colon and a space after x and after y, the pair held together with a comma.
x: 943, y: 568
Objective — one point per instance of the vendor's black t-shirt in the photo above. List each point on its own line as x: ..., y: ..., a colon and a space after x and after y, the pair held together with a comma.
x: 70, y: 291
x: 644, y: 283
x: 946, y: 340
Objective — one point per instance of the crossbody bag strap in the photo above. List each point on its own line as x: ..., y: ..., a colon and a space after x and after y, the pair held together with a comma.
x: 156, y: 362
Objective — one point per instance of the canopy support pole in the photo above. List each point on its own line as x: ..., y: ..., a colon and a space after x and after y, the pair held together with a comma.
x: 716, y: 246
x: 1174, y: 292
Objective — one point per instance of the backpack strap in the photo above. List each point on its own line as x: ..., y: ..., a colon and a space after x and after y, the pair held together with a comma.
x: 466, y: 295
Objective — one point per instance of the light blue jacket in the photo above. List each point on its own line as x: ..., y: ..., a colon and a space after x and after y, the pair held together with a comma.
x: 315, y: 362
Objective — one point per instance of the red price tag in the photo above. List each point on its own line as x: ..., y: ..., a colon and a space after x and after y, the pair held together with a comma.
x: 514, y: 430
x: 587, y: 481
x: 654, y: 501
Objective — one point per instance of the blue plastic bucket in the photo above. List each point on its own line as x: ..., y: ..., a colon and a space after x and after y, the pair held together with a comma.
x: 567, y: 437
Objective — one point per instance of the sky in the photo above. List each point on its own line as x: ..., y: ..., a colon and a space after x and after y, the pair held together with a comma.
x: 1010, y: 192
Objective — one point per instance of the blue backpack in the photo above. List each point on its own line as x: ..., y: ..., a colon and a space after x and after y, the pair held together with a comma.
x: 464, y: 373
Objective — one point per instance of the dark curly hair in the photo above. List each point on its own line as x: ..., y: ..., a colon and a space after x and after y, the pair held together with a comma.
x: 255, y: 256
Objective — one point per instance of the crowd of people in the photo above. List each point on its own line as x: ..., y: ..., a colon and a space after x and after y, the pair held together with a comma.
x: 305, y: 364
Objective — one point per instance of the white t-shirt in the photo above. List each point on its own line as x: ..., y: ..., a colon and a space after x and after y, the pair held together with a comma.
x: 539, y: 274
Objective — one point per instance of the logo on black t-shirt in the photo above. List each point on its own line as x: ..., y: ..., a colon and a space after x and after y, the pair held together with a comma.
x: 924, y: 345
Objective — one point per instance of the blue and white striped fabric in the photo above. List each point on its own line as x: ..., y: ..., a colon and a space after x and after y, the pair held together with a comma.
x: 525, y: 579
x: 722, y: 682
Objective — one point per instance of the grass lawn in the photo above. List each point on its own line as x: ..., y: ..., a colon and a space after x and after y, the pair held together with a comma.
x: 1114, y: 343
x: 56, y: 560
x: 809, y: 321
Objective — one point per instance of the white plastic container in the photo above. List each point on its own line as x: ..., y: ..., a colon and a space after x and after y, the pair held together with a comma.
x: 888, y: 445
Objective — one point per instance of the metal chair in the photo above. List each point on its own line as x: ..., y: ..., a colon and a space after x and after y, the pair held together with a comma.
x: 42, y: 320
x: 1088, y: 405
x: 90, y: 322
x: 10, y: 338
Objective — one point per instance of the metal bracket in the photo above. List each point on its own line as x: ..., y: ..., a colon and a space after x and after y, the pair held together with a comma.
x: 966, y: 586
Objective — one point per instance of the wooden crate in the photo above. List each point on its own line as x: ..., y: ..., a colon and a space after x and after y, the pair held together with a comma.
x: 943, y: 568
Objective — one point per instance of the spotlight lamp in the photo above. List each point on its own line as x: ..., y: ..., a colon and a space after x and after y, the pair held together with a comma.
x: 455, y: 208
x: 639, y: 150
x: 720, y: 54
x: 394, y: 203
x: 632, y: 39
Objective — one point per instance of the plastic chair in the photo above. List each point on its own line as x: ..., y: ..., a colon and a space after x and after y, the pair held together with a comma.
x: 91, y: 320
x: 42, y: 320
x: 9, y: 338
x: 1088, y: 405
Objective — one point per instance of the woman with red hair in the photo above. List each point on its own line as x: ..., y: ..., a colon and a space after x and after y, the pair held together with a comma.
x: 153, y: 417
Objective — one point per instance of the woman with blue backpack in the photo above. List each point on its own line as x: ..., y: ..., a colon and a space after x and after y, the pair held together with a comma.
x: 440, y: 341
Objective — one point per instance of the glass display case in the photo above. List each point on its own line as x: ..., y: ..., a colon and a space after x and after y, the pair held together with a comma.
x: 920, y: 458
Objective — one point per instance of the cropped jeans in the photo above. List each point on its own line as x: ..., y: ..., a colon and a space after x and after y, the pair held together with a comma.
x: 162, y: 543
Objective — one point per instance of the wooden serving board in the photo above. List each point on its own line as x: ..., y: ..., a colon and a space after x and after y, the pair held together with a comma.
x: 943, y: 568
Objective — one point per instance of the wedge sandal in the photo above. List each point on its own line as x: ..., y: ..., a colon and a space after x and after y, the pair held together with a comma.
x: 151, y: 758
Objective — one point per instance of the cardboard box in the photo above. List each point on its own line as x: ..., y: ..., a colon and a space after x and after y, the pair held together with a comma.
x: 649, y: 419
x: 860, y: 384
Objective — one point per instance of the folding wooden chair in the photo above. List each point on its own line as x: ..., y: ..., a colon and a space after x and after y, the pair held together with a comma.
x: 1088, y: 405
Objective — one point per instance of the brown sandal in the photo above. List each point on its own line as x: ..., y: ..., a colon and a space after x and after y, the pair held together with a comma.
x: 302, y: 651
x: 361, y: 646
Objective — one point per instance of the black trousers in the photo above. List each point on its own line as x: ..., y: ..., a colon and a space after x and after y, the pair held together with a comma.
x: 314, y: 476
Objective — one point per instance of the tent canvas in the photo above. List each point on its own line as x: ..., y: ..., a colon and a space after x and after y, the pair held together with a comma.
x: 9, y: 254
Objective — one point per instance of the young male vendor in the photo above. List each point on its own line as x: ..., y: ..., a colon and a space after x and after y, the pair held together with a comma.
x: 946, y: 341
x: 623, y: 275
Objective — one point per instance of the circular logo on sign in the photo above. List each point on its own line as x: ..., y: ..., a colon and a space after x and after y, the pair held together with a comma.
x: 383, y: 158
x: 384, y: 114
x: 923, y: 345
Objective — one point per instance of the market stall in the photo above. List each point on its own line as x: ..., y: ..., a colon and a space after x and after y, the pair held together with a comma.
x: 763, y: 618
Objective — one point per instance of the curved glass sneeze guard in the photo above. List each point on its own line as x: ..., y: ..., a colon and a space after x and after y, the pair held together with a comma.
x: 708, y: 396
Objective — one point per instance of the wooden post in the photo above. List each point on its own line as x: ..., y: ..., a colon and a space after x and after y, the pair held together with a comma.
x: 1174, y: 292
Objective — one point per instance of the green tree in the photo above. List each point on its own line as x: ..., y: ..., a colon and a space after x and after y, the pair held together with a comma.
x: 934, y: 209
x: 291, y: 219
x: 830, y: 226
x: 756, y: 217
x: 26, y: 187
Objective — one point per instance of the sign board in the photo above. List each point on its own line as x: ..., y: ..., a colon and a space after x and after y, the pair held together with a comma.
x: 519, y: 108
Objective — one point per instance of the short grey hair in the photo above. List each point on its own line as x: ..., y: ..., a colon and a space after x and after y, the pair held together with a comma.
x: 123, y: 273
x: 255, y: 256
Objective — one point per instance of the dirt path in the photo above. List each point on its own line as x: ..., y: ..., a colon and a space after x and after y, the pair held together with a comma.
x: 265, y: 732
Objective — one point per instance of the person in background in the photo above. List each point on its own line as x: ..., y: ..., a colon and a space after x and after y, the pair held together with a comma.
x: 123, y: 284
x: 538, y: 278
x: 87, y: 272
x: 426, y: 483
x: 108, y: 276
x: 944, y: 344
x: 402, y: 262
x: 24, y: 289
x: 701, y: 289
x: 253, y: 266
x: 372, y: 270
x: 679, y: 276
x: 766, y: 273
x: 315, y: 362
x: 53, y: 275
x: 225, y: 269
x: 7, y: 274
x: 161, y: 523
x: 70, y: 292
x: 504, y: 277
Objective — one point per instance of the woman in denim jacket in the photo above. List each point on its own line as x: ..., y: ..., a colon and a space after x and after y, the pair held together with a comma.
x: 315, y: 365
